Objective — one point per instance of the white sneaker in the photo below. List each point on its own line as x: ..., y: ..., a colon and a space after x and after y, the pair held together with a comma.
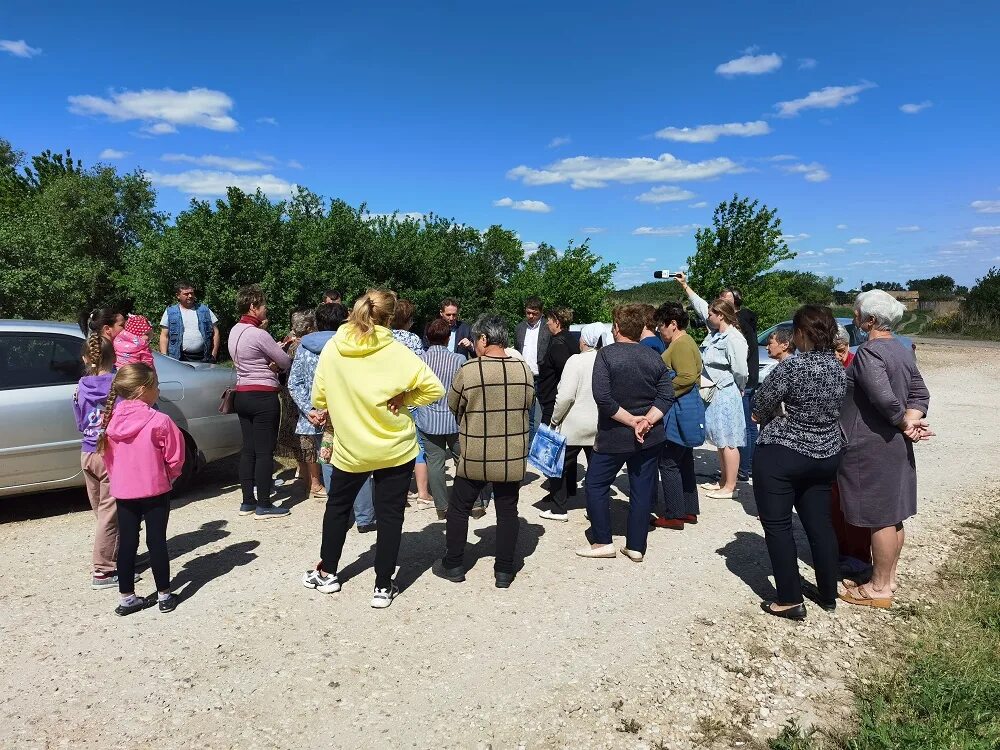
x: 324, y: 583
x: 553, y: 516
x: 608, y: 550
x: 382, y: 598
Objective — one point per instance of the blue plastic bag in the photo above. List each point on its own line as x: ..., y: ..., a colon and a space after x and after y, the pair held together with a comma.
x: 548, y: 452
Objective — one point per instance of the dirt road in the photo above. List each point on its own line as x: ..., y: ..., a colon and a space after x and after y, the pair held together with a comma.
x: 604, y: 654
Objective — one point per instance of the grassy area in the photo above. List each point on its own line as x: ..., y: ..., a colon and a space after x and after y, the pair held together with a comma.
x: 938, y: 687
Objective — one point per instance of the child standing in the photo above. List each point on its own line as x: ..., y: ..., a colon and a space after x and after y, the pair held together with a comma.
x: 144, y: 453
x: 88, y: 404
x: 132, y: 343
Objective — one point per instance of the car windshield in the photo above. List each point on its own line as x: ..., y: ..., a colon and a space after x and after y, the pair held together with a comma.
x: 851, y: 331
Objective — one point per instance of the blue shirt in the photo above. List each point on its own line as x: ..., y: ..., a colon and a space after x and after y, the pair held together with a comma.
x: 654, y: 342
x: 436, y: 418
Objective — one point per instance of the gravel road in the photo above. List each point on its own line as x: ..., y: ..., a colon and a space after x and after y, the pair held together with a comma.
x: 671, y: 653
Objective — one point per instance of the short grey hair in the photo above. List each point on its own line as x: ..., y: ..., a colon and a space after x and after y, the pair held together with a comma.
x: 843, y: 338
x: 886, y: 310
x: 303, y: 322
x: 494, y: 328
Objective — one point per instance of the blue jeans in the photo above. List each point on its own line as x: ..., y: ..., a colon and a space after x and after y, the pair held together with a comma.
x: 746, y: 452
x: 364, y: 507
x: 532, y: 419
x: 642, y: 476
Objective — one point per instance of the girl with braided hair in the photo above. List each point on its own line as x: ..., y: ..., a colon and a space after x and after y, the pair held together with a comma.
x: 88, y: 404
x: 144, y: 453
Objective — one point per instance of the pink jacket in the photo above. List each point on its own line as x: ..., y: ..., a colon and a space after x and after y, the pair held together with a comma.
x: 130, y: 349
x: 145, y: 451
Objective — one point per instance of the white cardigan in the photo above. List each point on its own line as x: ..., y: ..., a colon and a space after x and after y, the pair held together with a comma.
x: 575, y: 412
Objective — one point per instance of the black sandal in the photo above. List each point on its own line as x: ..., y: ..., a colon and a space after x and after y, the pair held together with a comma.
x: 797, y: 613
x: 169, y: 604
x: 140, y: 603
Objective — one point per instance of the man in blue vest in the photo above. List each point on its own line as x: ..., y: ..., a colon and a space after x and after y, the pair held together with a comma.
x: 189, y: 331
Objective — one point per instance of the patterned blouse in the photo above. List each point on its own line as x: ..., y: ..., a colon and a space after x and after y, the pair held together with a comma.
x: 410, y: 340
x: 811, y: 385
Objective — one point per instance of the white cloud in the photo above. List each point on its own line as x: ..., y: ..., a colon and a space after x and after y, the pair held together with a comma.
x: 295, y: 164
x: 871, y: 263
x: 675, y: 231
x: 807, y: 63
x: 665, y: 194
x: 699, y: 204
x: 596, y: 172
x: 825, y: 98
x: 649, y: 260
x: 560, y: 140
x: 205, y: 182
x: 813, y: 172
x: 986, y: 207
x: 232, y: 163
x: 858, y: 241
x: 790, y: 238
x: 529, y: 248
x: 966, y: 243
x: 162, y: 110
x: 912, y: 109
x: 266, y: 121
x: 537, y: 207
x: 112, y: 153
x: 18, y: 48
x: 781, y: 157
x: 986, y: 231
x: 711, y: 133
x: 910, y: 228
x: 842, y: 226
x: 833, y: 250
x: 593, y: 230
x: 750, y: 65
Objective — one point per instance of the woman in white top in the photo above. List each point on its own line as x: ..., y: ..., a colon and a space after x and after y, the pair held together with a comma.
x: 575, y: 416
x: 725, y: 365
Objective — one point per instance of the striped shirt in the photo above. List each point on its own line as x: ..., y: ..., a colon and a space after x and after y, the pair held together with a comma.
x: 436, y: 418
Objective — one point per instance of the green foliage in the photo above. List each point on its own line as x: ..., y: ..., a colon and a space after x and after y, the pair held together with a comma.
x: 984, y: 298
x: 72, y: 239
x: 65, y: 232
x: 776, y: 295
x: 743, y: 243
x: 933, y: 288
x: 652, y: 293
x: 885, y: 286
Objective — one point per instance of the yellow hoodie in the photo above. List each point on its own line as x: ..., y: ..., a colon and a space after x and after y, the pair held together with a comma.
x: 354, y: 381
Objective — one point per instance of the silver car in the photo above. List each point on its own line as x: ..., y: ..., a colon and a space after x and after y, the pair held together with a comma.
x: 40, y: 365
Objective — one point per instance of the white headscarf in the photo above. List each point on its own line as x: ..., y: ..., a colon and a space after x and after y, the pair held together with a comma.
x: 591, y: 334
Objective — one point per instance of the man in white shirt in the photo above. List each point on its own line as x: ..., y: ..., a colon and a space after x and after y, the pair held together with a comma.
x: 189, y: 331
x: 531, y: 340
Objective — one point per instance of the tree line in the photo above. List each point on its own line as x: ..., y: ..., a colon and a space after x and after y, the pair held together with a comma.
x: 74, y: 237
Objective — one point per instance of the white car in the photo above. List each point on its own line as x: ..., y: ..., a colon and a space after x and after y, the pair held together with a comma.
x: 40, y: 365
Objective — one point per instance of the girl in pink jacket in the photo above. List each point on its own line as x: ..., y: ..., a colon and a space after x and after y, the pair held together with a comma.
x: 144, y: 453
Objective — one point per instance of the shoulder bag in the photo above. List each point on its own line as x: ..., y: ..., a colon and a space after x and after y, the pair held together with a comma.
x: 227, y: 404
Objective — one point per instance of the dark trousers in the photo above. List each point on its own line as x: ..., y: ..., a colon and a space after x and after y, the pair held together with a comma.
x: 389, y: 488
x: 560, y: 488
x: 746, y: 452
x: 155, y: 511
x: 784, y: 479
x: 464, y: 493
x: 601, y: 472
x: 259, y: 413
x: 680, y: 489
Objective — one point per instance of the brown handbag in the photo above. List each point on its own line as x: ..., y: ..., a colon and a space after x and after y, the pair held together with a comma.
x: 227, y: 404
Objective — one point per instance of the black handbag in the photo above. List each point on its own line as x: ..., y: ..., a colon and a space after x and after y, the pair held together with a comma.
x: 227, y: 404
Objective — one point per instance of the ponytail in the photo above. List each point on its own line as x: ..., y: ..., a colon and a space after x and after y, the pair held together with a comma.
x: 96, y: 319
x: 109, y: 407
x: 375, y: 308
x: 98, y: 354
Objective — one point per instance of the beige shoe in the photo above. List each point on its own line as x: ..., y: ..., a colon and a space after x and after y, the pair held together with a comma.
x: 632, y: 554
x: 608, y: 550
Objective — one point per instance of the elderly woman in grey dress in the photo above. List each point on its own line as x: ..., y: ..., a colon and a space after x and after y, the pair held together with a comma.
x: 883, y: 415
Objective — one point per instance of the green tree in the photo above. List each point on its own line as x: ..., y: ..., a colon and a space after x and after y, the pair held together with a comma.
x: 983, y: 299
x: 936, y: 287
x: 743, y: 242
x: 885, y: 286
x: 65, y: 231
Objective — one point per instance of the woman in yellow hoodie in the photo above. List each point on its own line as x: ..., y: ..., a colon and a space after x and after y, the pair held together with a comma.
x: 364, y: 381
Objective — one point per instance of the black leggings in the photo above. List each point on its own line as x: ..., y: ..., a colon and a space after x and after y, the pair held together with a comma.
x: 259, y: 413
x: 783, y: 479
x: 680, y: 490
x: 155, y: 511
x: 389, y: 488
x: 464, y: 493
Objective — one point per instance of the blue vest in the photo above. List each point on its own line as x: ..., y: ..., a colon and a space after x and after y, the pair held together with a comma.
x: 175, y: 331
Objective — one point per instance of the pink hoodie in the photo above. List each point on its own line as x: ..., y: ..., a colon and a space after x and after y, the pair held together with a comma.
x: 145, y: 451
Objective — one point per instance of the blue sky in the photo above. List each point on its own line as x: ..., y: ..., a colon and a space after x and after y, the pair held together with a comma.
x: 872, y: 127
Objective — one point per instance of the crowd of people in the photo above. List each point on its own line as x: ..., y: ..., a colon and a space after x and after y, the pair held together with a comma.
x: 367, y: 408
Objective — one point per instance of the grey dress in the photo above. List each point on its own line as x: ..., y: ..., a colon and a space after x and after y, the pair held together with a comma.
x: 878, y: 474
